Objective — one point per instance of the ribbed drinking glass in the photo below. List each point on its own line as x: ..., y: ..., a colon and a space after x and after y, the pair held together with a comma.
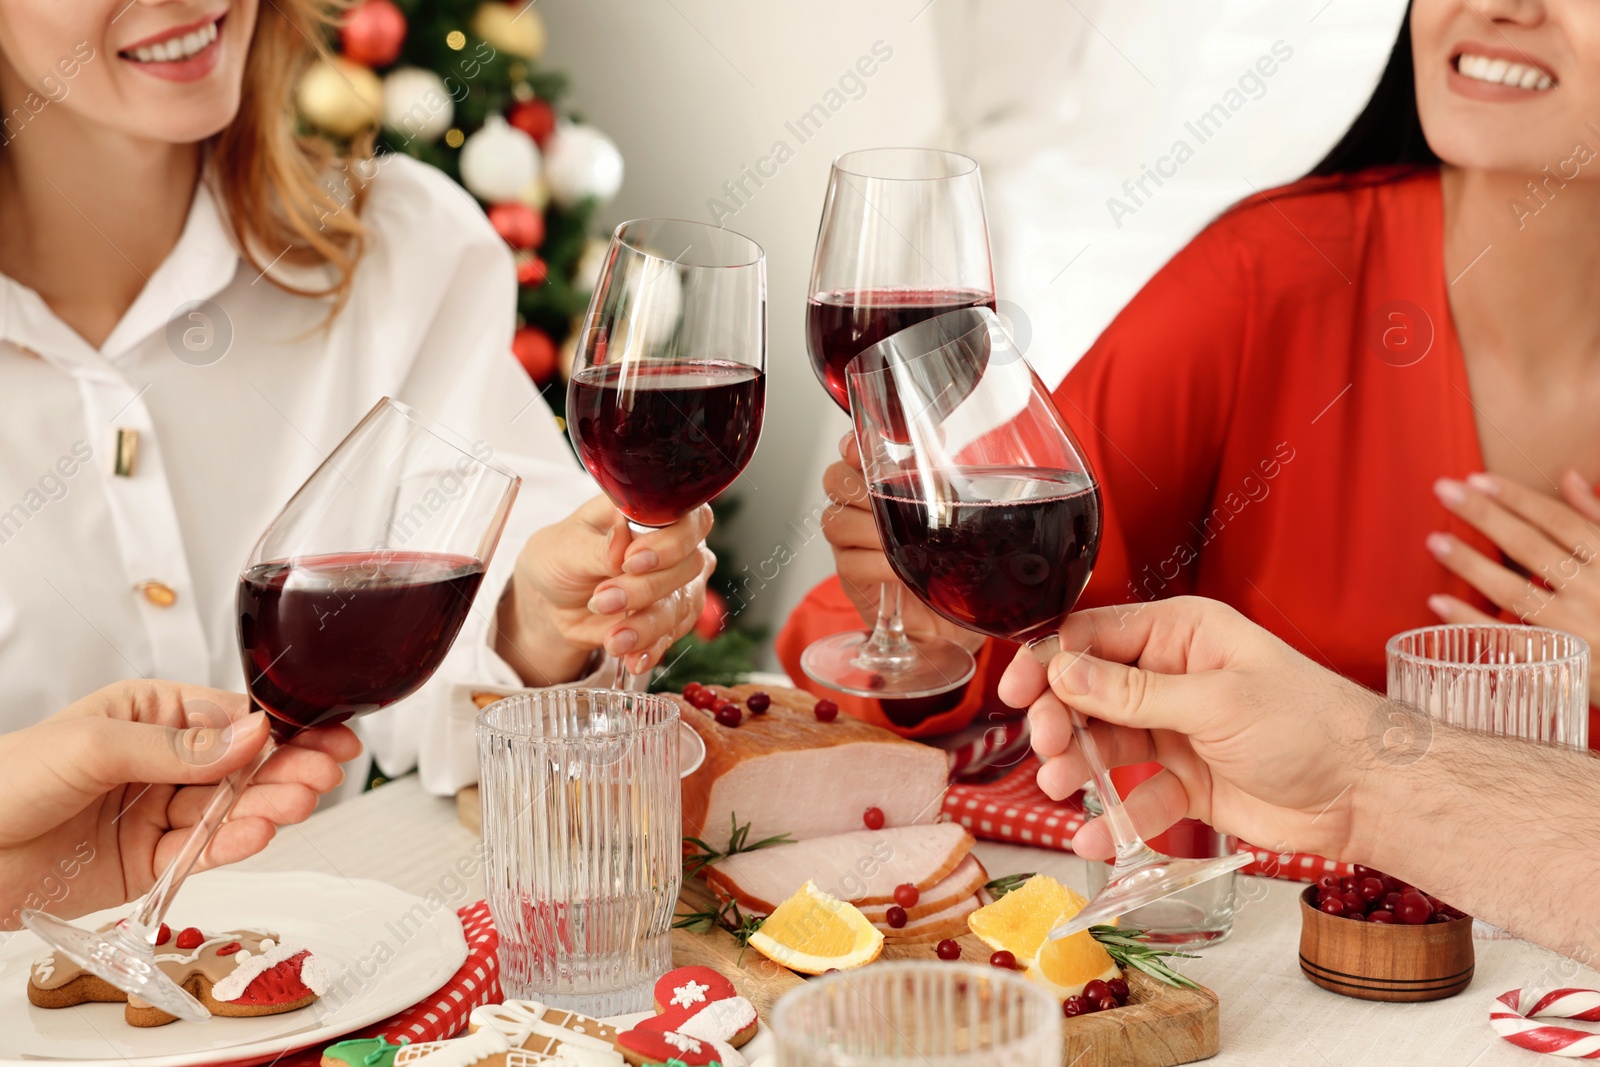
x: 1496, y: 678
x: 919, y: 1014
x: 582, y: 825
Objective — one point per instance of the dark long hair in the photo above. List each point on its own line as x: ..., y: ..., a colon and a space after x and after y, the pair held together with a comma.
x: 1388, y: 132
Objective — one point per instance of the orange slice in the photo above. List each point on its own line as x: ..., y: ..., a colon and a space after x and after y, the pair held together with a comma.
x: 812, y: 932
x: 1019, y: 921
x: 1066, y: 966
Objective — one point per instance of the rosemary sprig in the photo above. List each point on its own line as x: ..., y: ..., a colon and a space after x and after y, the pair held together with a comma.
x: 1128, y: 948
x: 1001, y: 886
x: 738, y: 841
x: 728, y: 917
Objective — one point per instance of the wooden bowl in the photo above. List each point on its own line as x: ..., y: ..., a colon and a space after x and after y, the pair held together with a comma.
x: 1377, y: 961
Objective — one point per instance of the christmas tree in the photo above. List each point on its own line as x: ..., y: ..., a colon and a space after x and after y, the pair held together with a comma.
x: 458, y: 84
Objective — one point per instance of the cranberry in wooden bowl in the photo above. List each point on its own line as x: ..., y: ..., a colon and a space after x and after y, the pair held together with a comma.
x: 1373, y: 937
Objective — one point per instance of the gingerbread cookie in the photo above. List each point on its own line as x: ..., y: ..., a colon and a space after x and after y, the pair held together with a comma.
x: 698, y: 1006
x: 361, y: 1052
x: 239, y: 973
x: 489, y: 1047
x: 528, y: 1024
x: 668, y: 1048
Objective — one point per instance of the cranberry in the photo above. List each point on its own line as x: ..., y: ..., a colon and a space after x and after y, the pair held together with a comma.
x: 1333, y: 906
x: 1108, y: 1002
x: 692, y: 688
x: 1439, y: 917
x: 1347, y: 884
x: 704, y: 699
x: 1073, y: 1007
x: 758, y: 703
x: 1370, y: 888
x: 1414, y: 909
x: 948, y: 950
x: 728, y: 715
x: 190, y: 937
x: 1096, y: 989
x: 1327, y: 882
x: 1382, y: 915
x: 164, y: 934
x: 906, y: 895
x: 1119, y: 989
x: 831, y: 970
x: 1391, y: 901
x: 1361, y: 872
x: 826, y: 710
x: 229, y: 949
x: 873, y: 818
x: 895, y: 916
x: 1354, y: 902
x: 1004, y: 960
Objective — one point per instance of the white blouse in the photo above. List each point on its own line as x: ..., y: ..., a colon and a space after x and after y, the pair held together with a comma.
x: 234, y: 403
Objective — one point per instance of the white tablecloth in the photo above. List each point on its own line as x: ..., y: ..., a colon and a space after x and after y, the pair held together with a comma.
x: 1270, y: 1012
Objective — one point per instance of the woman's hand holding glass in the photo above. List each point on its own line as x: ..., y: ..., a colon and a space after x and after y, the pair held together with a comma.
x: 589, y: 582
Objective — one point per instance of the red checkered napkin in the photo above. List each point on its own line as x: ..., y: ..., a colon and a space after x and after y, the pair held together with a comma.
x: 444, y: 1014
x: 1016, y: 810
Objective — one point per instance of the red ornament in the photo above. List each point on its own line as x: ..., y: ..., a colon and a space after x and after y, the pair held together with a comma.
x: 713, y: 617
x: 531, y: 270
x: 535, y: 118
x: 519, y: 224
x: 373, y: 33
x: 536, y: 352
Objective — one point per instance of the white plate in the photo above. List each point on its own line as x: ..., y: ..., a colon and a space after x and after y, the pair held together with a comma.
x: 762, y: 1044
x: 355, y: 925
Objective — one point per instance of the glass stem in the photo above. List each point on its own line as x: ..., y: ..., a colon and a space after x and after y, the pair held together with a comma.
x: 1131, y: 849
x: 888, y: 646
x: 153, y: 908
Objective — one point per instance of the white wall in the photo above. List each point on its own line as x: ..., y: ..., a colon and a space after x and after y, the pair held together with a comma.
x: 1060, y: 102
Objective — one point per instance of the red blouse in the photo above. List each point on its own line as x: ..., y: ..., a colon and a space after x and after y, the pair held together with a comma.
x: 1267, y: 418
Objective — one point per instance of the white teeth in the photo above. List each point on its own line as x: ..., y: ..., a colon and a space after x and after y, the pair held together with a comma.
x: 176, y: 48
x: 1503, y: 72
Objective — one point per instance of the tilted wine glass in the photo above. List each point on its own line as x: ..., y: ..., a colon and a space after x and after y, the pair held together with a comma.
x: 989, y: 512
x: 903, y: 238
x: 348, y: 603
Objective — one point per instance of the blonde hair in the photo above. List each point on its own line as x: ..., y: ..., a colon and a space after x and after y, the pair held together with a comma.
x: 272, y: 179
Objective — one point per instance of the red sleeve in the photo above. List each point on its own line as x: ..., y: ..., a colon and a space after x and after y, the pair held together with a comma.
x: 1150, y: 403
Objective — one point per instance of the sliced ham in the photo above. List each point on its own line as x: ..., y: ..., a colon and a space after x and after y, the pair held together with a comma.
x: 862, y: 867
x: 968, y: 878
x: 783, y: 772
x: 951, y: 922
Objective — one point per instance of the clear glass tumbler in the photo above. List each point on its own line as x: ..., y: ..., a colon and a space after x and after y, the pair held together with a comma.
x: 1496, y: 678
x: 919, y: 1014
x: 582, y: 823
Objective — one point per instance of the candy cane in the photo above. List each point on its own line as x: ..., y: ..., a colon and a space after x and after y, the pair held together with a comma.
x: 1517, y: 1026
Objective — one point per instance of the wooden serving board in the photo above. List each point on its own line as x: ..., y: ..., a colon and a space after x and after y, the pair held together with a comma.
x: 1161, y: 1025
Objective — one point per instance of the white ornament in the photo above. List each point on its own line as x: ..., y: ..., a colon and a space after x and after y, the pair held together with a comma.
x: 416, y: 104
x: 581, y: 162
x: 686, y: 996
x: 499, y: 161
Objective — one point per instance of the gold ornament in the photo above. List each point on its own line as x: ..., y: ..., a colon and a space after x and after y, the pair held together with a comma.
x: 515, y: 31
x: 340, y: 97
x: 454, y: 137
x: 456, y: 40
x: 536, y: 195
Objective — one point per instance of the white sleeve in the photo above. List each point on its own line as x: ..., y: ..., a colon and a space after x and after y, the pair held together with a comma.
x: 465, y: 376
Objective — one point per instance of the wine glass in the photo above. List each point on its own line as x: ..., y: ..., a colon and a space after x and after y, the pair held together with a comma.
x: 348, y: 603
x: 990, y: 514
x: 669, y: 379
x: 903, y: 239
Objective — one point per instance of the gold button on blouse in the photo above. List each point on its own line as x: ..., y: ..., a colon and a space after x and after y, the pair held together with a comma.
x: 160, y: 594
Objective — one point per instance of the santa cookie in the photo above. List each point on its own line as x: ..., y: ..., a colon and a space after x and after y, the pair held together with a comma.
x: 239, y: 973
x: 489, y: 1047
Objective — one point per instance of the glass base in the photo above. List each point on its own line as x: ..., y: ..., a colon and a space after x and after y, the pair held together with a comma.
x: 123, y: 958
x: 1145, y: 880
x: 846, y: 663
x: 598, y: 985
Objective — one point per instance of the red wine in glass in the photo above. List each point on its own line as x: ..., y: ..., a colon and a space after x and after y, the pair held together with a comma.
x: 662, y: 440
x: 839, y: 324
x: 1008, y: 552
x: 329, y: 637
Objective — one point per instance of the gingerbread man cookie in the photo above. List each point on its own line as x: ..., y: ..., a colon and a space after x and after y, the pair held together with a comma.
x: 239, y: 973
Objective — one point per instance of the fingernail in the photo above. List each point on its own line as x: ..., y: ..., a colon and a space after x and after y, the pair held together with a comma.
x: 641, y: 561
x: 1451, y: 493
x: 1484, y: 483
x: 622, y: 642
x: 1439, y: 605
x: 1071, y: 673
x: 1438, y: 544
x: 608, y: 601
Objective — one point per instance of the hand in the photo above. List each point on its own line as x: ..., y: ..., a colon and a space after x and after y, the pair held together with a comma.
x: 1253, y: 738
x: 589, y: 582
x: 98, y: 798
x: 1554, y: 541
x: 858, y: 553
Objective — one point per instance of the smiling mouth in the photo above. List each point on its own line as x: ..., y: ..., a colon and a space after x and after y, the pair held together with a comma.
x: 1503, y: 72
x: 178, y: 47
